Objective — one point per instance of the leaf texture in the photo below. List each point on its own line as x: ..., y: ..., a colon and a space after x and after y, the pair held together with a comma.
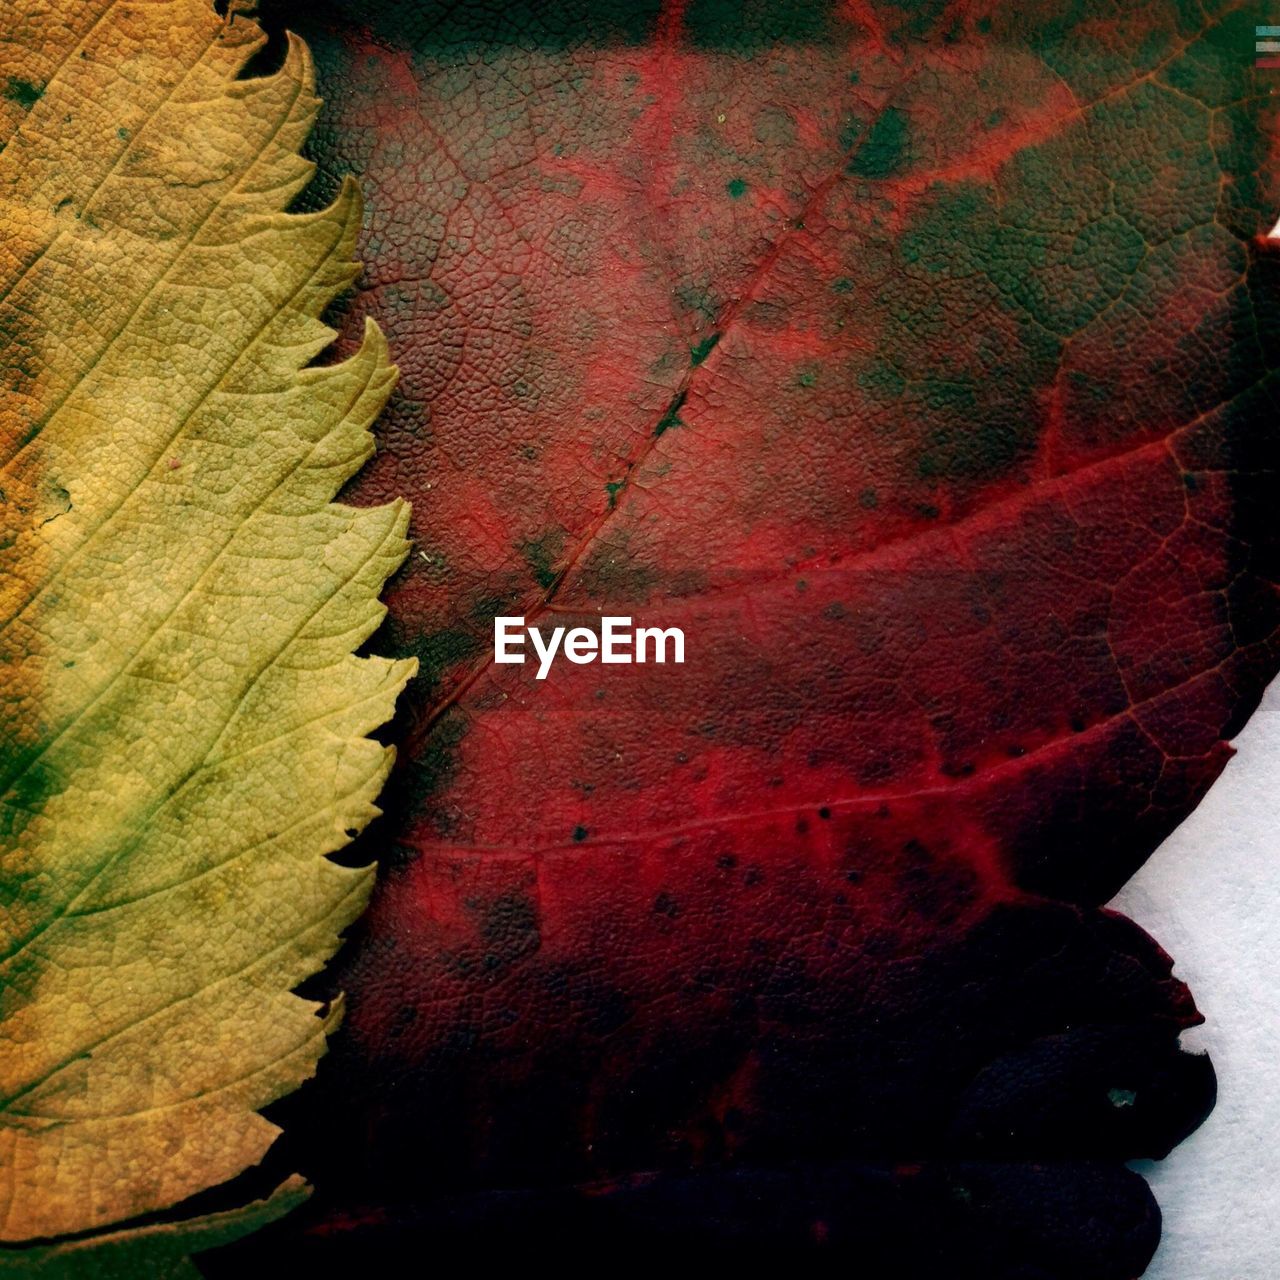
x: 184, y: 722
x: 918, y: 360
x: 158, y: 1250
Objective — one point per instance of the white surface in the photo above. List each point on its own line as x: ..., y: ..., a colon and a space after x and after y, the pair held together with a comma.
x: 1211, y: 897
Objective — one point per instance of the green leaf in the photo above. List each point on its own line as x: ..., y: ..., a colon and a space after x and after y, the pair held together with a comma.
x: 183, y: 726
x: 158, y: 1251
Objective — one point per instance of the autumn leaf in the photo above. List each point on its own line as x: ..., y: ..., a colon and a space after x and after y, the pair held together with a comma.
x: 917, y: 361
x: 184, y: 724
x: 157, y: 1250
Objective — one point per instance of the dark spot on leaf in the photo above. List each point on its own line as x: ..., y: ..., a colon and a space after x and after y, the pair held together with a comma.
x: 672, y: 416
x: 885, y: 150
x: 704, y: 348
x: 665, y: 905
x: 23, y: 92
x: 541, y: 555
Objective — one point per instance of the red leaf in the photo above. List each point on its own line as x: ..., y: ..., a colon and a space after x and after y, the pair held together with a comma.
x: 914, y: 359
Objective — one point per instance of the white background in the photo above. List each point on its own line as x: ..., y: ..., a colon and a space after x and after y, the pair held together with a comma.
x: 1211, y: 897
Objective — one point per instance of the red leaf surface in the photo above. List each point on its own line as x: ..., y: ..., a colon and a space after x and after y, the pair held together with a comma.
x: 915, y: 360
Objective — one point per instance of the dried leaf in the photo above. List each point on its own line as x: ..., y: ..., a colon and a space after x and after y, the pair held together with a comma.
x: 184, y: 724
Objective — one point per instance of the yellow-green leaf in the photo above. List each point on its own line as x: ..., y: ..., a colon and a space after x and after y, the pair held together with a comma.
x: 153, y: 1251
x: 183, y: 725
